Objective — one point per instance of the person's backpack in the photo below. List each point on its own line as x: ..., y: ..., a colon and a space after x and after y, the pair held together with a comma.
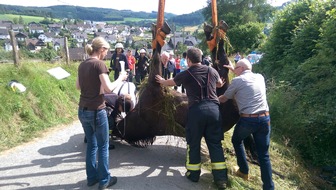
x: 170, y: 66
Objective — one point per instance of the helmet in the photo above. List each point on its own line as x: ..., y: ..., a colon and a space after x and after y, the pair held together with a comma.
x: 142, y: 51
x: 119, y: 45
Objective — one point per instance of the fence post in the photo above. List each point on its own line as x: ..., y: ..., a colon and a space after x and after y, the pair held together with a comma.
x: 15, y: 50
x: 67, y: 57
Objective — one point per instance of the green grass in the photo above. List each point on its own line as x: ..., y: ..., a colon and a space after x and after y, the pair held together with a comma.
x: 46, y: 103
x: 129, y: 19
x: 26, y: 19
x: 289, y: 171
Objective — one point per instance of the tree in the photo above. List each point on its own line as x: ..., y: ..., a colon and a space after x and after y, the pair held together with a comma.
x: 299, y: 57
x: 245, y: 18
x: 15, y: 20
x: 247, y: 37
x: 47, y: 54
x: 21, y: 20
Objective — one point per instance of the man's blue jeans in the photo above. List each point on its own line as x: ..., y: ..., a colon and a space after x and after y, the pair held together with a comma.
x: 96, y: 128
x: 260, y: 128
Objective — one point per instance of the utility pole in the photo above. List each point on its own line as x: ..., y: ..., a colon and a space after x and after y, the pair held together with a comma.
x: 174, y: 32
x: 66, y: 48
x: 15, y: 50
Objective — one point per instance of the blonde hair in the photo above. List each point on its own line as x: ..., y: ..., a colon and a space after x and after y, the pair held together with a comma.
x: 97, y: 43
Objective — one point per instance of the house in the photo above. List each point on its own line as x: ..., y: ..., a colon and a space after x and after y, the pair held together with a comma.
x: 36, y: 29
x: 80, y: 38
x: 30, y: 44
x: 8, y: 45
x: 58, y: 43
x: 40, y: 44
x: 107, y: 30
x: 46, y: 37
x: 55, y: 28
x: 21, y: 39
x: 112, y: 39
x: 17, y: 27
x: 4, y: 34
x: 77, y: 54
x: 4, y: 24
x: 189, y: 41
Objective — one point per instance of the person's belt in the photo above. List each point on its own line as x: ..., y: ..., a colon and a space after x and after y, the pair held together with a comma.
x: 255, y: 115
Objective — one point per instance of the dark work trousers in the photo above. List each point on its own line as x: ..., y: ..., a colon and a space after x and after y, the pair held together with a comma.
x: 204, y: 120
x: 116, y: 74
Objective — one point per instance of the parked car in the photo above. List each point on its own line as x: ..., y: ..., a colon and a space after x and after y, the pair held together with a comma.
x: 254, y: 58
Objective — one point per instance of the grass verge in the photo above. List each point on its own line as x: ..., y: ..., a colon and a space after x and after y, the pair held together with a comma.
x: 46, y: 102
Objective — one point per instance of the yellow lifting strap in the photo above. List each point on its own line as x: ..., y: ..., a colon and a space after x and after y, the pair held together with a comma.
x: 218, y: 165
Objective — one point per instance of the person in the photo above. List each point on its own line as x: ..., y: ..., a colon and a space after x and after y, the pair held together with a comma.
x: 115, y: 106
x: 141, y: 66
x: 93, y: 81
x: 171, y: 64
x: 237, y: 57
x: 249, y: 91
x: 184, y: 66
x: 165, y: 62
x: 177, y: 67
x: 131, y: 62
x: 204, y: 118
x: 118, y: 58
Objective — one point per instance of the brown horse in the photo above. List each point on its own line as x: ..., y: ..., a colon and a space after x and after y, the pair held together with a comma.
x: 162, y: 111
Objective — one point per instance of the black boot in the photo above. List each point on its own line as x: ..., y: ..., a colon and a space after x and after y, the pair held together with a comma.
x: 193, y: 175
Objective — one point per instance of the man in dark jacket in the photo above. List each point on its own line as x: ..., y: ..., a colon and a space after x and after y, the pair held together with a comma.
x: 119, y: 60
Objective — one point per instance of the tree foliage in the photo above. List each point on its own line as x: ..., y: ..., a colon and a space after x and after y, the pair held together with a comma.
x: 301, y: 54
x: 246, y: 20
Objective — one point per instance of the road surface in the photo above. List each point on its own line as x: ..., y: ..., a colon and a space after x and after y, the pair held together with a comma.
x: 57, y: 161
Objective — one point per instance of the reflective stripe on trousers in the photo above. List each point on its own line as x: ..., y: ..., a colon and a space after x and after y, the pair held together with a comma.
x: 192, y: 167
x: 218, y: 165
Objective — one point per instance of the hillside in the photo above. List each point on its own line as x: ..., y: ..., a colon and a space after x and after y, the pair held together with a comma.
x: 97, y: 14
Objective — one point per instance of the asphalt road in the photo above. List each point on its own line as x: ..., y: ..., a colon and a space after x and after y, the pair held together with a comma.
x: 57, y: 161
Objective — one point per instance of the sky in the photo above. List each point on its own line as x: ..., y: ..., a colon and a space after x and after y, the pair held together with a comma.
x: 172, y: 6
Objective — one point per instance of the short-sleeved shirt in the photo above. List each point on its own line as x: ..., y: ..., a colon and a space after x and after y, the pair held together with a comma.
x: 199, y: 80
x: 89, y: 82
x: 249, y: 90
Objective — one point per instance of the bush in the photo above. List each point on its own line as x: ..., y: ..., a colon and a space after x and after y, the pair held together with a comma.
x: 299, y: 58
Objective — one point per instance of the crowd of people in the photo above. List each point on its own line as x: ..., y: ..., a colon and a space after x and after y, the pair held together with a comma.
x: 193, y: 72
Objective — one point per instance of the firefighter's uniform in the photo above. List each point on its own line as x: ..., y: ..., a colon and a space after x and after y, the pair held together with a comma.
x: 204, y: 120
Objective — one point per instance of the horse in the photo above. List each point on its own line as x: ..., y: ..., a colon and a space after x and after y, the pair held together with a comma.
x: 163, y: 111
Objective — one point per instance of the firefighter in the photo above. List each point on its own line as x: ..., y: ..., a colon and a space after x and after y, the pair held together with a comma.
x: 204, y: 117
x: 118, y: 60
x: 141, y: 66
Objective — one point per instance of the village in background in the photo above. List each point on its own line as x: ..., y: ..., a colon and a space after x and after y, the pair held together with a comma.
x: 34, y: 37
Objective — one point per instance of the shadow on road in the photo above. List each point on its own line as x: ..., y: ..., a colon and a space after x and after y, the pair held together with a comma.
x: 48, y: 165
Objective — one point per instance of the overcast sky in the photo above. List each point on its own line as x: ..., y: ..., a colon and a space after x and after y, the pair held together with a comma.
x: 172, y: 6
